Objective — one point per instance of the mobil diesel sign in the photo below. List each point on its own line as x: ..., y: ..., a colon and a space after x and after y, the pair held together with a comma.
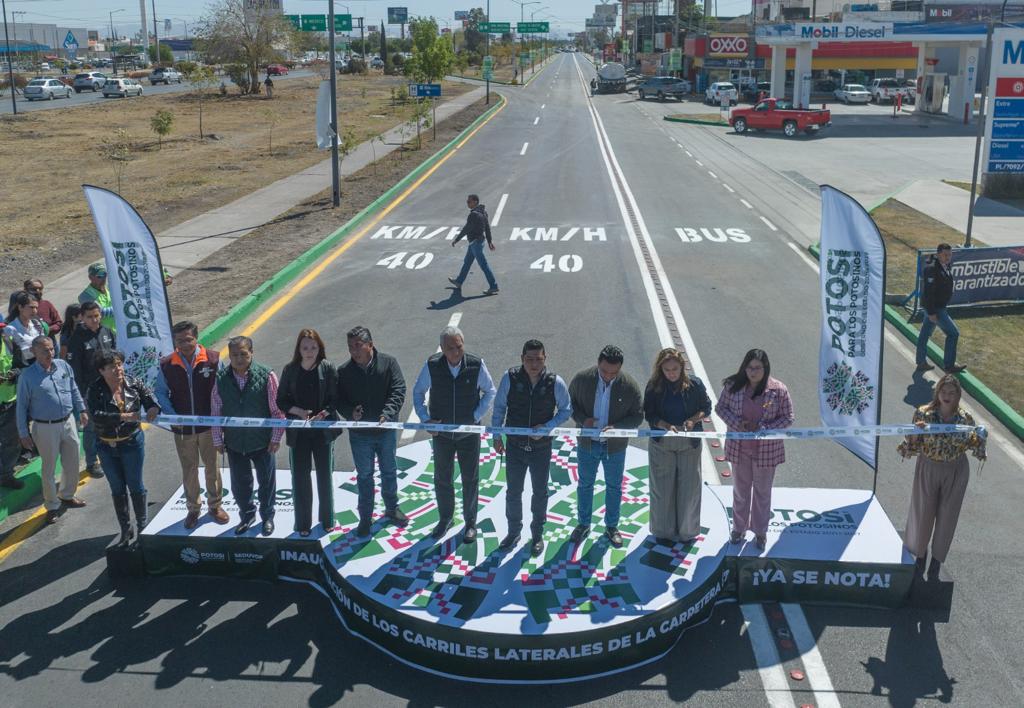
x: 846, y: 31
x: 728, y: 45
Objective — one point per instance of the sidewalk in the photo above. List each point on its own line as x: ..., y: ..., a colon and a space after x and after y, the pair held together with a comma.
x: 188, y: 243
x: 995, y: 224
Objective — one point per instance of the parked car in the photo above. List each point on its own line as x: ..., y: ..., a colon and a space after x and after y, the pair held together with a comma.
x: 277, y: 70
x: 376, y: 63
x: 911, y: 86
x: 753, y: 92
x: 122, y: 88
x: 165, y: 75
x: 91, y: 80
x: 719, y: 90
x: 45, y: 66
x: 46, y: 90
x: 662, y: 86
x: 853, y: 93
x: 776, y: 114
x: 887, y: 90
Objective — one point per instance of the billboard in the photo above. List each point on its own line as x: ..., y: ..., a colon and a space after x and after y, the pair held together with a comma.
x: 398, y: 15
x: 1004, y: 129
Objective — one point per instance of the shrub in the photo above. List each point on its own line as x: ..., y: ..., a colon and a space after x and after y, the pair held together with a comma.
x: 356, y: 66
x: 186, y: 67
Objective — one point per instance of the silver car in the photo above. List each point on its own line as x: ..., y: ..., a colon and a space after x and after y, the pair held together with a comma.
x: 122, y: 88
x: 46, y: 90
x: 164, y: 75
x: 91, y: 80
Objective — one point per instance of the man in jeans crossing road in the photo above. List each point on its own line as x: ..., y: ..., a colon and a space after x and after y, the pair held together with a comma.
x: 477, y: 228
x: 936, y: 292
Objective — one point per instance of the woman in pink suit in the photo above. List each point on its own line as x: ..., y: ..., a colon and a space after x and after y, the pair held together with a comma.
x: 752, y: 400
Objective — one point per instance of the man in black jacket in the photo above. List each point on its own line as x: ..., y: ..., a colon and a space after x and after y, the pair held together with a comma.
x: 87, y: 341
x: 371, y: 387
x: 936, y: 292
x: 477, y: 228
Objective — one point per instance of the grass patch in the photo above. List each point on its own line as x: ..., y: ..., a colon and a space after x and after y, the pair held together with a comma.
x: 966, y: 186
x: 990, y: 337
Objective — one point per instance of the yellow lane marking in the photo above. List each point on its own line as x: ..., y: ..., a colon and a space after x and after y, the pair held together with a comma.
x: 29, y: 527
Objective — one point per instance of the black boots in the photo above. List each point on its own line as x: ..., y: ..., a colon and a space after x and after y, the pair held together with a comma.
x: 123, y: 519
x: 141, y: 513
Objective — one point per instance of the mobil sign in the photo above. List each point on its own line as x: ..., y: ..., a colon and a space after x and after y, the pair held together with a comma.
x: 1004, y: 147
x: 846, y: 31
x: 728, y: 45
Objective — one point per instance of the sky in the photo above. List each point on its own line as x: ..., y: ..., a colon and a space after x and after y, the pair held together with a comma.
x: 564, y: 15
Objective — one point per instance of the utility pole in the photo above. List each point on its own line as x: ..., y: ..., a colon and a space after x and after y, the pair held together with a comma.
x: 14, y: 28
x: 487, y: 44
x: 156, y: 37
x: 968, y: 241
x: 335, y: 167
x: 113, y: 40
x: 10, y: 67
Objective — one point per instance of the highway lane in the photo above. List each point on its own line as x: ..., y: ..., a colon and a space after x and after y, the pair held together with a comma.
x: 737, y: 294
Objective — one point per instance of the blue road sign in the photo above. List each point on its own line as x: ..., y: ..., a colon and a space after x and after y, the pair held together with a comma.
x: 424, y: 90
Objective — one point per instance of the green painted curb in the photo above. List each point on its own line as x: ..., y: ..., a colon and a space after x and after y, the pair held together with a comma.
x: 673, y: 119
x: 988, y: 398
x: 220, y: 328
x: 16, y: 500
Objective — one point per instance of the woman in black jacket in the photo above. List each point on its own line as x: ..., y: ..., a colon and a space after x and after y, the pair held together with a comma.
x: 306, y: 392
x: 675, y: 402
x: 116, y: 406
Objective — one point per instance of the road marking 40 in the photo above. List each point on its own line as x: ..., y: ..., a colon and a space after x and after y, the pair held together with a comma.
x: 416, y: 261
x: 569, y: 263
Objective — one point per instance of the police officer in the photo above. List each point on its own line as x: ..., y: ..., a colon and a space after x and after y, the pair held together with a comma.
x: 529, y: 396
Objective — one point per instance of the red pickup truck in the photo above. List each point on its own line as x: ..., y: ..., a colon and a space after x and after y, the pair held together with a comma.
x: 777, y: 114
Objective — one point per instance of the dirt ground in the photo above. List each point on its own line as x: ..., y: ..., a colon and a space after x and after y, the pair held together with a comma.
x: 990, y: 337
x: 251, y: 141
x: 208, y: 289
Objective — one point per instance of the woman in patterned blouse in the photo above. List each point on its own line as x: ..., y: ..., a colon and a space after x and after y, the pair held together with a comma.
x: 940, y: 478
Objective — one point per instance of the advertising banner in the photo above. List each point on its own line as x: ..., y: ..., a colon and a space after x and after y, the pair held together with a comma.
x: 983, y: 275
x: 135, y: 281
x: 852, y: 295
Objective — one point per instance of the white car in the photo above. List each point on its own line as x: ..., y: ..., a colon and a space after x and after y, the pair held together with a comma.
x: 853, y: 93
x: 122, y: 87
x: 719, y: 90
x: 46, y: 90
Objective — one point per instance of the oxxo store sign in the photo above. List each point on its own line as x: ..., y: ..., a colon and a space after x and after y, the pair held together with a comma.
x: 728, y: 45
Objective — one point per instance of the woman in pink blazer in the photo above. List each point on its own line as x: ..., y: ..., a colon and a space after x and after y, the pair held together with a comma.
x: 752, y: 400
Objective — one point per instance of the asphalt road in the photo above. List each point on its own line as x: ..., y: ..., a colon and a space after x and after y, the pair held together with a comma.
x: 65, y: 631
x: 88, y: 97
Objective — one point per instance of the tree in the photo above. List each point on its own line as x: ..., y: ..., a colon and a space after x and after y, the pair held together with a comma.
x: 161, y: 124
x: 383, y: 45
x: 201, y: 79
x: 432, y: 56
x: 474, y: 37
x: 271, y: 117
x: 229, y: 34
x: 166, y: 56
x: 116, y: 148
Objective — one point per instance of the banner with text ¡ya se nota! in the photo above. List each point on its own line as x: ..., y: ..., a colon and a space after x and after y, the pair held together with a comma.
x: 135, y: 281
x: 852, y: 298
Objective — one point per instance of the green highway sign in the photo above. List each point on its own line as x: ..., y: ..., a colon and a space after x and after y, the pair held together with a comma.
x: 494, y: 27
x: 533, y: 27
x: 675, y: 60
x: 648, y: 46
x: 343, y: 23
x: 314, y: 23
x: 295, y: 20
x: 524, y: 59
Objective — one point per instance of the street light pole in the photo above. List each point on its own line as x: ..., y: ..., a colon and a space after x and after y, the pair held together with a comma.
x: 113, y: 40
x: 156, y: 37
x: 968, y: 242
x: 487, y: 44
x: 10, y: 67
x: 335, y: 167
x: 14, y: 27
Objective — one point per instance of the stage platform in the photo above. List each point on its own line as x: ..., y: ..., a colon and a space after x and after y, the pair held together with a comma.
x: 472, y: 612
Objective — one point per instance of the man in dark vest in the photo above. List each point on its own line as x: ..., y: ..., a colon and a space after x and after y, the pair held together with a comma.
x: 529, y: 396
x: 184, y: 386
x: 248, y: 390
x: 87, y: 340
x: 461, y: 391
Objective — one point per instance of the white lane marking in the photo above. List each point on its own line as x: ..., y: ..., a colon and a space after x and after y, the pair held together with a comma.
x: 408, y: 435
x: 747, y: 204
x: 542, y: 106
x: 523, y: 151
x: 675, y: 141
x: 501, y: 208
x: 769, y: 666
x: 728, y: 188
x: 769, y: 224
x: 536, y: 120
x: 803, y: 256
x: 699, y: 163
x: 713, y: 175
x: 824, y: 694
x: 688, y: 153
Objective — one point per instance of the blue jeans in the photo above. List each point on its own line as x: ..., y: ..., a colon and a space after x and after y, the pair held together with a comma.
x: 89, y: 443
x: 365, y: 447
x: 123, y: 464
x: 949, y: 327
x: 614, y: 464
x: 475, y: 251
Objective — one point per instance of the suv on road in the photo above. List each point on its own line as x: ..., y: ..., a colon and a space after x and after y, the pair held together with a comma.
x: 92, y: 80
x: 887, y: 90
x: 662, y: 86
x: 165, y: 75
x: 719, y: 90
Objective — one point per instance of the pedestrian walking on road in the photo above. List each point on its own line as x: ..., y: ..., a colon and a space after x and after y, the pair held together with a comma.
x: 461, y: 390
x: 941, y: 475
x: 248, y: 390
x: 603, y: 397
x: 308, y: 386
x: 476, y: 230
x: 10, y: 445
x: 87, y: 341
x: 48, y: 397
x: 529, y: 396
x: 371, y: 387
x: 937, y: 290
x: 676, y: 402
x: 752, y: 400
x: 97, y: 292
x: 184, y: 386
x: 117, y: 406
